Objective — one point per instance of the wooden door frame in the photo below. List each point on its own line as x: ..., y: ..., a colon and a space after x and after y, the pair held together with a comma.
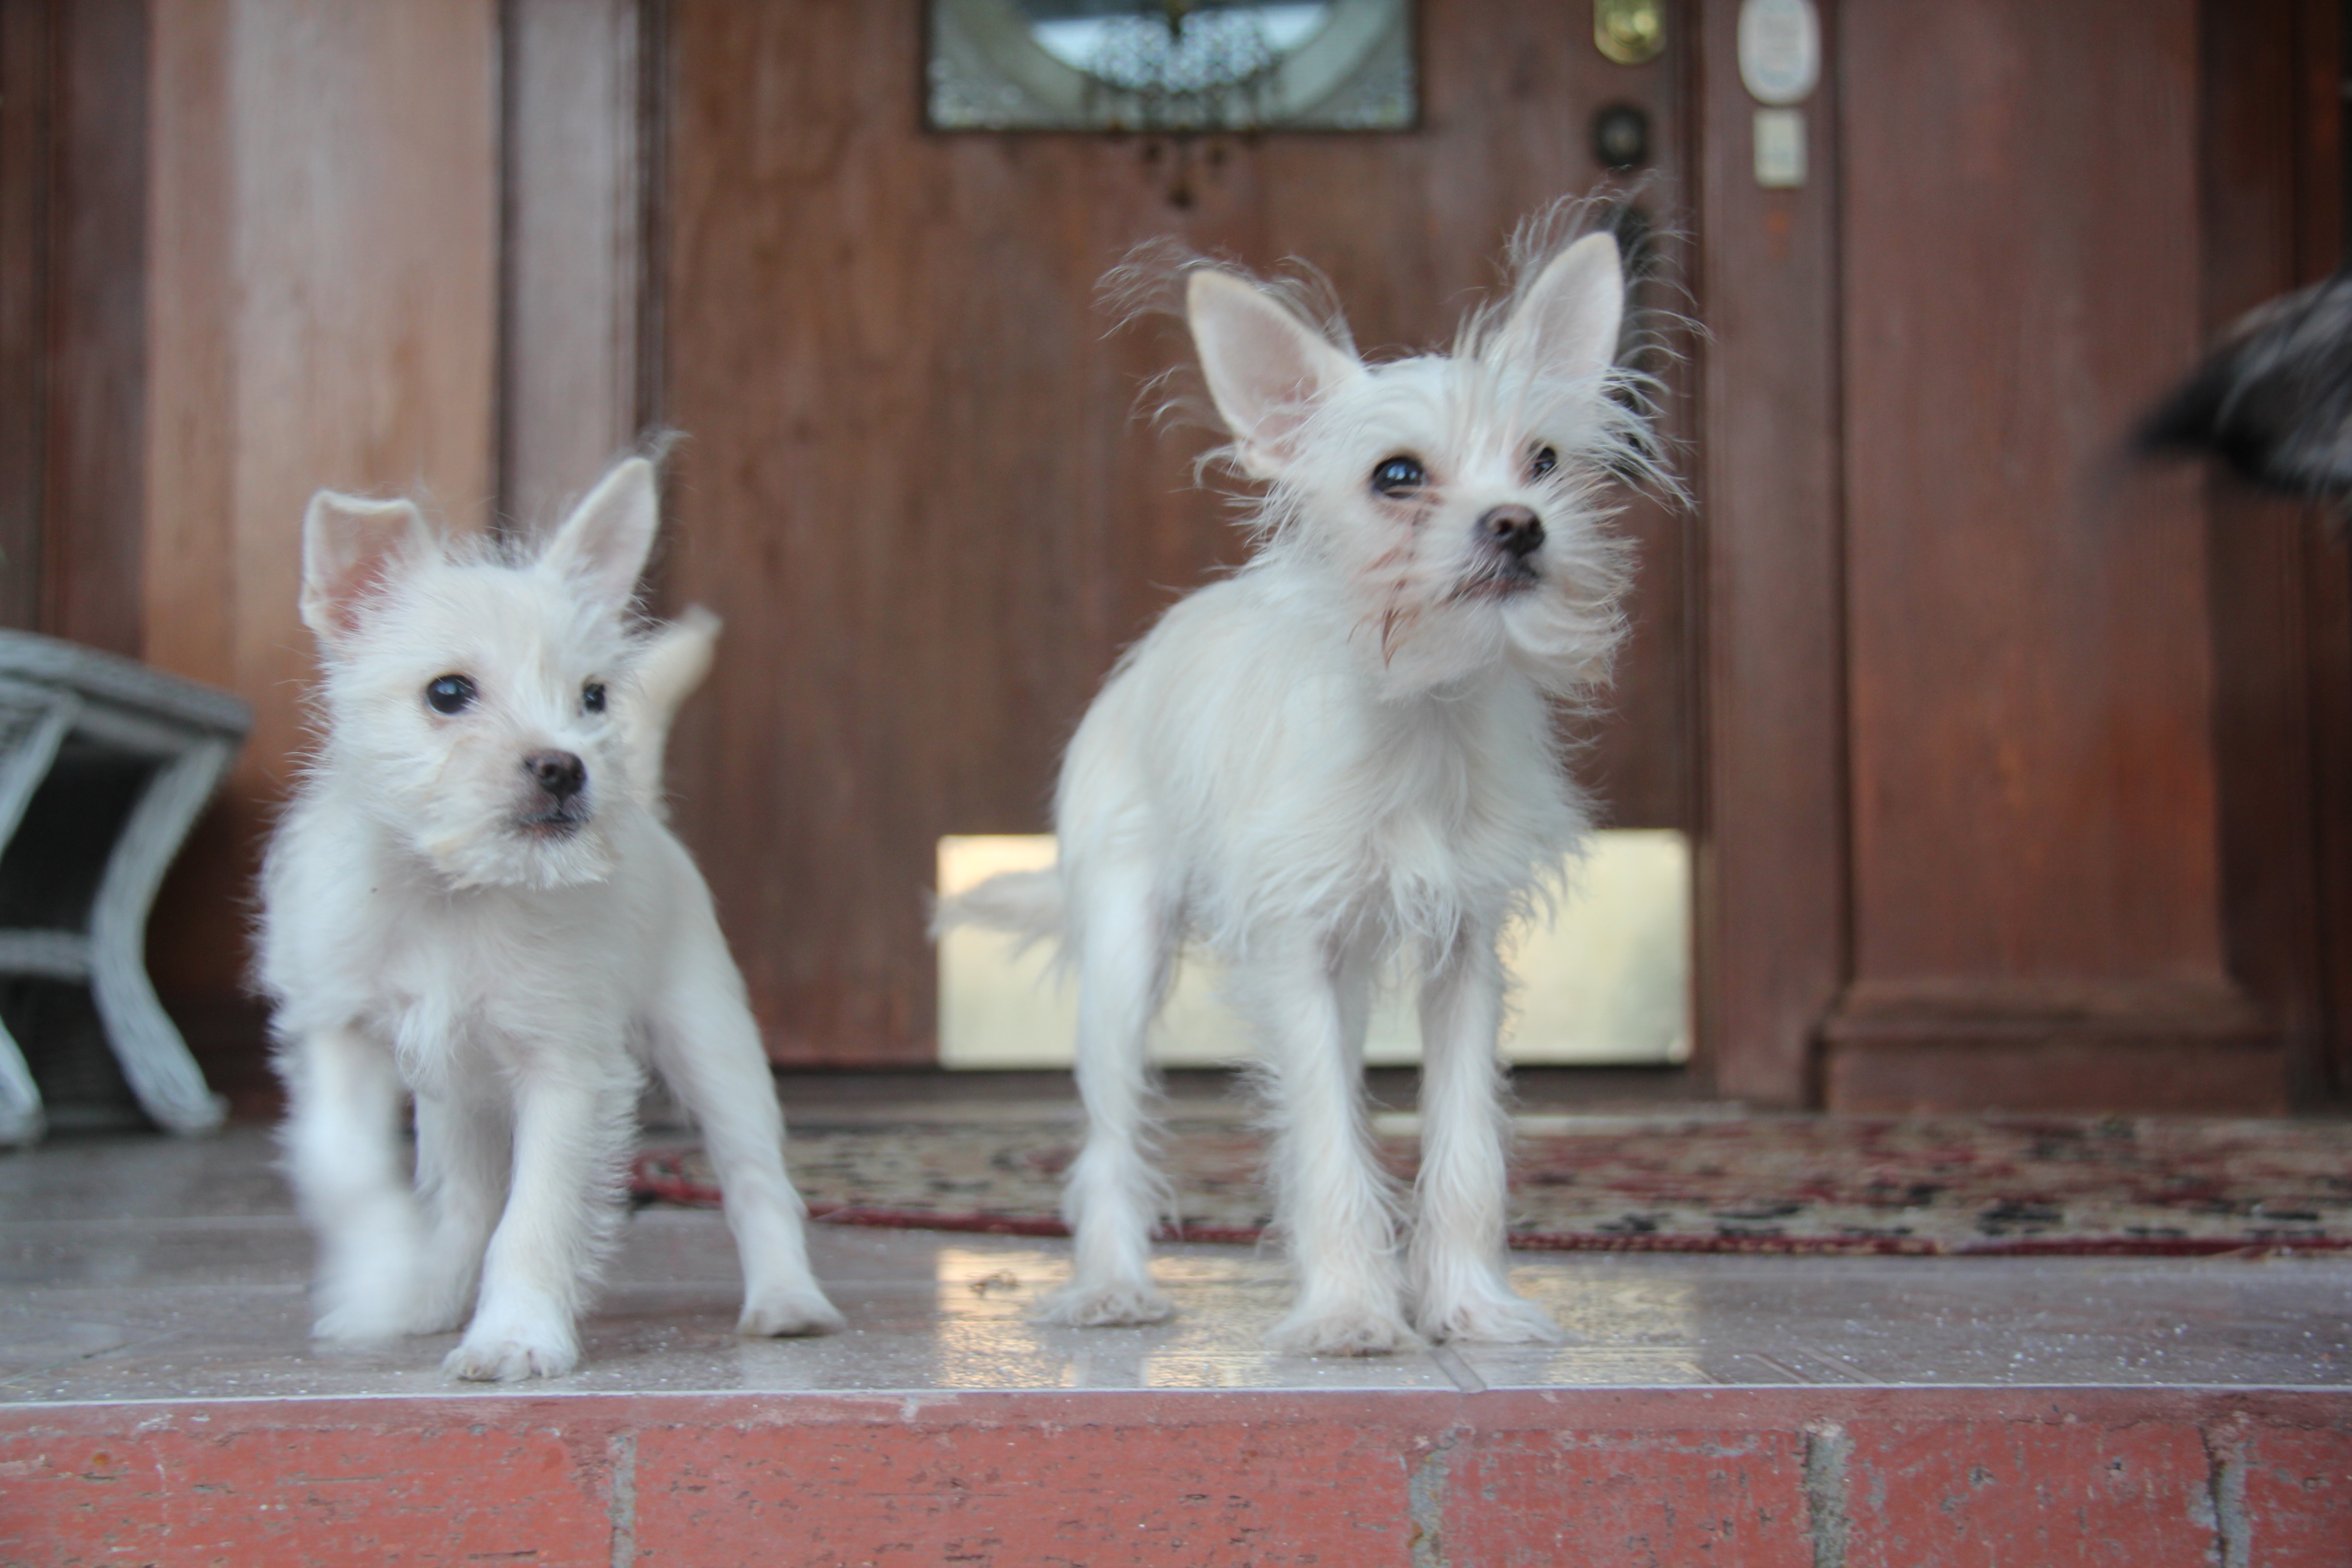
x: 1770, y: 918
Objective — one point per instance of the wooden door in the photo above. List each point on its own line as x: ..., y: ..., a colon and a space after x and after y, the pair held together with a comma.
x: 914, y: 481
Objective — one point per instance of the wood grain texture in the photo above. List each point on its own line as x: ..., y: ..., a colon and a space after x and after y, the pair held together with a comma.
x: 913, y: 483
x: 2260, y: 194
x: 2034, y: 827
x: 1772, y: 905
x: 324, y: 303
x: 2319, y: 217
x: 573, y: 265
x: 95, y: 405
x: 25, y: 67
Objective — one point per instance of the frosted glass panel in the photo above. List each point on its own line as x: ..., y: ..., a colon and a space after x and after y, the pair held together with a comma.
x: 1606, y: 983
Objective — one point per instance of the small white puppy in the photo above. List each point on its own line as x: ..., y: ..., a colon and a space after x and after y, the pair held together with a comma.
x: 472, y: 901
x: 1345, y: 752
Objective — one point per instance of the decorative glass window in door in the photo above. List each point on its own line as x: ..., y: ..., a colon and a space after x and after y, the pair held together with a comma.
x: 1171, y: 66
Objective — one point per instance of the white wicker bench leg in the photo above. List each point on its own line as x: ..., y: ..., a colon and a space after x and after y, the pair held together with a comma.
x: 155, y: 1060
x: 111, y: 713
x: 38, y: 721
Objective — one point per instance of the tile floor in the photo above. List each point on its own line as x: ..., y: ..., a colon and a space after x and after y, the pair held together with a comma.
x: 138, y: 1268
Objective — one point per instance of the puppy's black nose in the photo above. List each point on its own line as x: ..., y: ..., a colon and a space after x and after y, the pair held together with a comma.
x: 559, y: 774
x: 1513, y: 528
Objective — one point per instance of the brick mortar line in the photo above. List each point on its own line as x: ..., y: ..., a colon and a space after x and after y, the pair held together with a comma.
x: 1426, y: 1488
x: 2225, y: 1482
x: 621, y: 1472
x: 1827, y: 1447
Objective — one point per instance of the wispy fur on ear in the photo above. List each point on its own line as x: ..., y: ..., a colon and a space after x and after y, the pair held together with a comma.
x: 1565, y: 318
x: 1153, y: 281
x: 1268, y: 371
x: 602, y: 545
x: 1625, y: 439
x: 349, y: 545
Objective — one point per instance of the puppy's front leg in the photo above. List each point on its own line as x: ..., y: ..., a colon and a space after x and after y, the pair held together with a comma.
x: 1456, y: 1261
x: 707, y: 1046
x: 1112, y: 1198
x: 1331, y: 1197
x: 463, y: 1154
x: 343, y: 1152
x: 571, y: 1121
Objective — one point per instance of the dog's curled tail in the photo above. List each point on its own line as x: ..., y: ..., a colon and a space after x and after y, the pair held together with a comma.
x: 672, y: 664
x: 675, y: 662
x: 1028, y: 904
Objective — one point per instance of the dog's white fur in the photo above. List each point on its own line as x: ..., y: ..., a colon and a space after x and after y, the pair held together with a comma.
x: 1346, y: 752
x: 438, y: 924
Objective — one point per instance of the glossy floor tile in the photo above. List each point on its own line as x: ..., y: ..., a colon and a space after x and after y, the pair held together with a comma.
x: 146, y: 1268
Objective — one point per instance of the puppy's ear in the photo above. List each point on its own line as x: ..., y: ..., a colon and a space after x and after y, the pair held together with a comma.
x: 603, y: 543
x: 349, y: 543
x: 1565, y: 320
x: 1265, y: 368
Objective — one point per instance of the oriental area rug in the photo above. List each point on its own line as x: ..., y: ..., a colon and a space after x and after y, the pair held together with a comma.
x: 1757, y: 1183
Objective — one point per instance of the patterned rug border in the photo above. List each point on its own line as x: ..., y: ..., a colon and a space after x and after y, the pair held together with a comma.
x: 658, y: 1177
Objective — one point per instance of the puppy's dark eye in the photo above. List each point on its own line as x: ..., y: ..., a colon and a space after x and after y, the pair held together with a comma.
x: 450, y: 693
x: 1399, y: 477
x: 591, y: 697
x: 1543, y: 462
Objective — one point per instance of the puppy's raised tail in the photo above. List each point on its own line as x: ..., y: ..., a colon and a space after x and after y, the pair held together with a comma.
x: 672, y: 665
x: 1027, y: 904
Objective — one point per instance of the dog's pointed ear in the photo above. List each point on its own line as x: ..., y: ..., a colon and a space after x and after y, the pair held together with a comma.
x: 1266, y: 369
x: 349, y: 543
x: 602, y: 545
x: 1567, y: 319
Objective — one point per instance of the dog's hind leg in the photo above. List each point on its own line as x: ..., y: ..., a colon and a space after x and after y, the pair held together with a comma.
x: 341, y: 1138
x: 1336, y: 1207
x: 463, y: 1153
x: 706, y: 1047
x: 1455, y: 1263
x: 1113, y: 1198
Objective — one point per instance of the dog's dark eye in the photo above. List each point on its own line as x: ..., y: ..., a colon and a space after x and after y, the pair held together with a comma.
x: 1399, y: 477
x: 591, y: 697
x: 1543, y: 462
x: 450, y: 693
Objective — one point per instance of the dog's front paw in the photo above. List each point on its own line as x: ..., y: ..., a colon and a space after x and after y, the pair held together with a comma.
x: 1120, y: 1304
x: 1497, y: 1317
x: 510, y: 1357
x: 782, y: 1315
x: 1340, y: 1331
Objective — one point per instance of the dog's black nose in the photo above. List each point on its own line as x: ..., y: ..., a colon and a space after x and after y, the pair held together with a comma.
x: 559, y: 774
x: 1513, y: 528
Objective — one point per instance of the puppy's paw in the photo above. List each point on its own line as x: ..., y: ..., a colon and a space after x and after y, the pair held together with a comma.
x: 1340, y: 1330
x: 1490, y: 1316
x: 510, y: 1357
x: 780, y: 1314
x: 1122, y: 1303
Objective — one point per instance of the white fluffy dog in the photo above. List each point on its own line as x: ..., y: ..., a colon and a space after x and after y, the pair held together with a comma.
x: 472, y: 901
x: 1342, y: 753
